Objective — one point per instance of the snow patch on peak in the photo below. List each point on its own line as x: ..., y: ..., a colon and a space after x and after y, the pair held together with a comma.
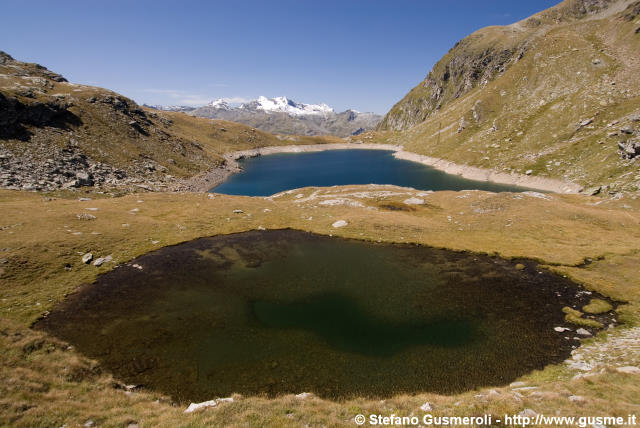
x: 285, y: 105
x: 219, y: 103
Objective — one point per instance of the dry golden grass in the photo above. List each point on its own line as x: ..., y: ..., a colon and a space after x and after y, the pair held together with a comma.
x: 45, y: 383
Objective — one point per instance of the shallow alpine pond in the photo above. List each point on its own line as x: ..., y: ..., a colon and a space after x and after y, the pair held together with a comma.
x: 284, y: 311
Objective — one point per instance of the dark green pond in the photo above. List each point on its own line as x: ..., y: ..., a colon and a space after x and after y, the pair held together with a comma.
x: 275, y: 312
x: 270, y: 174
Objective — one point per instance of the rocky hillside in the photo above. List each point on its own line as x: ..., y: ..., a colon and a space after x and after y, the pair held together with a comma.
x: 283, y: 116
x: 55, y: 134
x: 555, y: 95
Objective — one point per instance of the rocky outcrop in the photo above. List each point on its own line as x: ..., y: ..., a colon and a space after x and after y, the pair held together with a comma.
x: 15, y: 114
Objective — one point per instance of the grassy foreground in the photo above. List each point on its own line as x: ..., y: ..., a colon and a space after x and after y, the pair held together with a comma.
x: 47, y: 383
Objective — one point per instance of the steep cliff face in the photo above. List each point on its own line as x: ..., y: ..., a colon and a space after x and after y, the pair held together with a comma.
x: 556, y: 95
x: 480, y: 58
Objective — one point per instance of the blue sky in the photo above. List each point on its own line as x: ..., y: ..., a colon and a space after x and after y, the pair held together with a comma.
x: 362, y: 54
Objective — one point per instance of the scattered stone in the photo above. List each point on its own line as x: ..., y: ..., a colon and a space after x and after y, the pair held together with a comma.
x: 529, y: 172
x: 629, y: 149
x: 626, y: 130
x: 197, y: 406
x: 339, y: 223
x: 89, y: 424
x: 528, y: 413
x: 426, y: 407
x: 304, y: 395
x: 628, y: 369
x: 414, y: 201
x: 583, y: 332
x: 238, y: 211
x: 584, y: 123
x: 84, y: 199
x: 85, y: 216
x: 86, y: 259
x: 517, y: 384
x: 561, y: 329
x: 92, y: 209
x: 576, y: 399
x: 154, y: 242
x: 592, y: 191
x: 102, y: 260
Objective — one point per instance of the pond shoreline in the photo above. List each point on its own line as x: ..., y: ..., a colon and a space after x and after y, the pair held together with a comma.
x: 206, y: 181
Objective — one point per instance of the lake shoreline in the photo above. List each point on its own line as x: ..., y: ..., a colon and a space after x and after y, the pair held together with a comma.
x: 206, y: 181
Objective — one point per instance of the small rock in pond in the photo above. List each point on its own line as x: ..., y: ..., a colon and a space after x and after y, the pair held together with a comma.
x: 426, y: 407
x: 339, y: 223
x: 583, y: 332
x: 86, y: 259
x: 629, y: 370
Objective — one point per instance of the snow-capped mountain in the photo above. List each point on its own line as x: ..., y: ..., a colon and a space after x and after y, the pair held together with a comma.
x: 285, y: 105
x: 282, y: 115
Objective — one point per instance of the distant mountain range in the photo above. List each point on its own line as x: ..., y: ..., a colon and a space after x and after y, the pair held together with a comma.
x: 281, y: 115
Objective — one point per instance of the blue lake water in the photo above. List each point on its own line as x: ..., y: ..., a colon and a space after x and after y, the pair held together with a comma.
x: 270, y: 174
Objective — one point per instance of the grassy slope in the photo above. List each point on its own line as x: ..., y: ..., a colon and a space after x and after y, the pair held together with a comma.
x: 103, y: 130
x: 48, y: 384
x: 538, y: 102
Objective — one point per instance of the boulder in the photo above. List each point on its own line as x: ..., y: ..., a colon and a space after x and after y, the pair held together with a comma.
x: 629, y: 370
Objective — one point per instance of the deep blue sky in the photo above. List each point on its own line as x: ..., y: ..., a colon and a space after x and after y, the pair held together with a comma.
x: 361, y: 54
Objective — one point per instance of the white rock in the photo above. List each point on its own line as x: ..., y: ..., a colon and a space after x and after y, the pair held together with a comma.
x: 583, y: 332
x: 528, y: 413
x: 414, y: 201
x: 197, y: 406
x: 561, y: 329
x: 517, y: 384
x: 86, y: 259
x: 529, y: 172
x: 303, y: 395
x: 261, y: 228
x: 426, y: 407
x: 102, y: 260
x: 339, y: 223
x: 576, y: 398
x: 238, y: 211
x: 628, y: 369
